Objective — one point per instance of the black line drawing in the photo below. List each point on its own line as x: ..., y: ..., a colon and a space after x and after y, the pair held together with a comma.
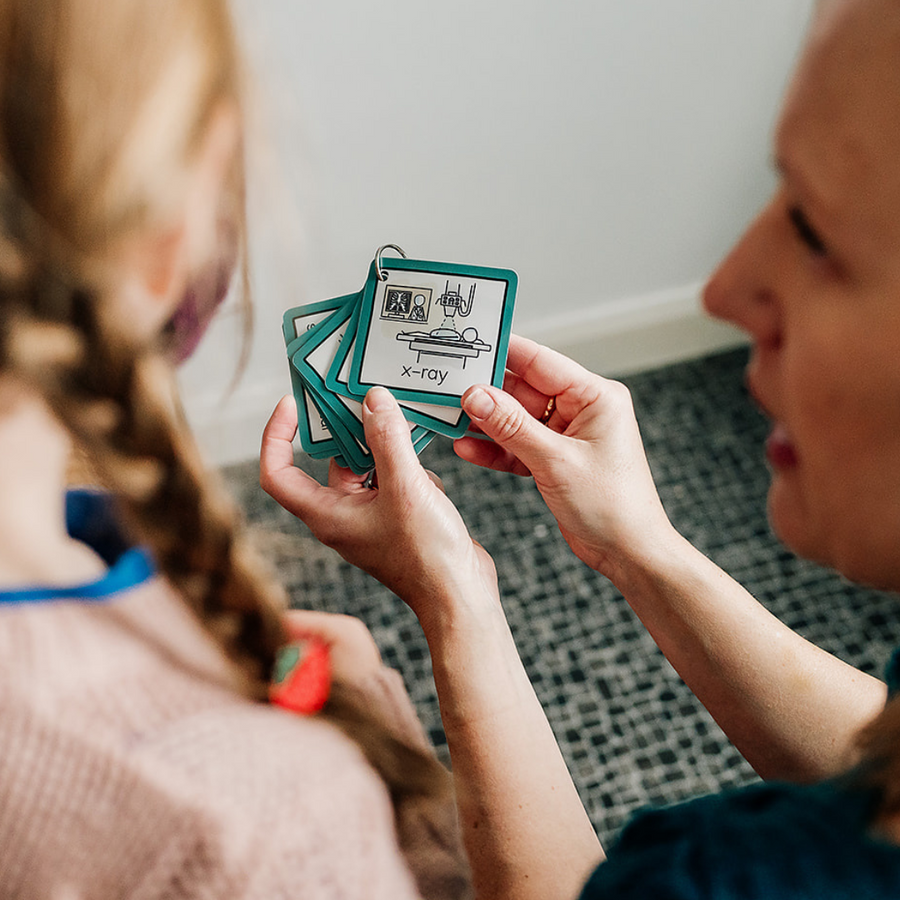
x: 454, y: 305
x: 406, y: 304
x: 446, y: 340
x: 418, y: 313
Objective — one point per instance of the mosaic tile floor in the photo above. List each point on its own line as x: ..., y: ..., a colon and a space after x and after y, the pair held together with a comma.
x: 631, y: 731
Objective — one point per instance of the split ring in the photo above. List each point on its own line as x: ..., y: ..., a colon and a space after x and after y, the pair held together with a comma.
x: 382, y: 275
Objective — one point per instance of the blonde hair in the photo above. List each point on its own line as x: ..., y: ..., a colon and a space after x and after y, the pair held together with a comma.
x: 103, y: 107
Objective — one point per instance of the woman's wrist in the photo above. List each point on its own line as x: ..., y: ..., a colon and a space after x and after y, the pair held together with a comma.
x: 635, y: 560
x: 456, y: 605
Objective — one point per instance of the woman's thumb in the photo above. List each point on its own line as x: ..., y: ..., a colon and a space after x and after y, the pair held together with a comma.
x: 387, y: 434
x: 502, y: 418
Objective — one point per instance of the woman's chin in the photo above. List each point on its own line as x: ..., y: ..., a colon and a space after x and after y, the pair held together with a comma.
x: 789, y: 522
x: 847, y: 550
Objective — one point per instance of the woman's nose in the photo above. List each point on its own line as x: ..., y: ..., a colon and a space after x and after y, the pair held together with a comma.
x: 744, y: 290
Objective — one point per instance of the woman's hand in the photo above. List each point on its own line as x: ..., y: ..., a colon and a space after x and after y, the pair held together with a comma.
x: 586, y: 456
x: 526, y: 832
x: 405, y: 532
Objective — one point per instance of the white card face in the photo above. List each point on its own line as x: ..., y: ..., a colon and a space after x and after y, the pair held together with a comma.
x: 449, y: 414
x: 320, y: 360
x: 433, y: 333
x: 318, y: 430
x: 308, y: 321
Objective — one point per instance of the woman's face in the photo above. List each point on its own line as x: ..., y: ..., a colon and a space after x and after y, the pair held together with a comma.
x: 815, y: 282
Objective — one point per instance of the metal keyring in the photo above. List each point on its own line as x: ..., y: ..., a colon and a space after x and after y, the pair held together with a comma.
x: 382, y: 275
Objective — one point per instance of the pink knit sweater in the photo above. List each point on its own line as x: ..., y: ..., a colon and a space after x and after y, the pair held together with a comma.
x: 130, y: 767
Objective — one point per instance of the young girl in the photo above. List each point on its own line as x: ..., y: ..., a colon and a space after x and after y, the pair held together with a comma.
x: 137, y: 637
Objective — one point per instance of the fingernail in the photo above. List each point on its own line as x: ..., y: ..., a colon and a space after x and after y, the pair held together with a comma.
x: 379, y: 398
x: 479, y: 404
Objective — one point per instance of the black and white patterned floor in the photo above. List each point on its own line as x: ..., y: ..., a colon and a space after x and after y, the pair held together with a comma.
x: 631, y: 731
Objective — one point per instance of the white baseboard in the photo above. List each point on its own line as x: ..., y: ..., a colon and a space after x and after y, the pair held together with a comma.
x: 612, y: 339
x: 637, y: 334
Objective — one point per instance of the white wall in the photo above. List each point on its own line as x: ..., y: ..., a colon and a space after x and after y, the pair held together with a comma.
x: 608, y: 150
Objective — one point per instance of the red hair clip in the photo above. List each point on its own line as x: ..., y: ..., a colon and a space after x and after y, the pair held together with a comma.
x: 301, y: 678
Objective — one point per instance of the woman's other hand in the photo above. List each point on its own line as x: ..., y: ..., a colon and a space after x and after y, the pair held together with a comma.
x: 404, y: 532
x: 586, y: 455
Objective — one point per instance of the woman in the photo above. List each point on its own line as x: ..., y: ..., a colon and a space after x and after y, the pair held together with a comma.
x: 815, y: 283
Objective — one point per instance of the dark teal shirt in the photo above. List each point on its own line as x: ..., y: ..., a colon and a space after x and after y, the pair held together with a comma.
x: 765, y: 842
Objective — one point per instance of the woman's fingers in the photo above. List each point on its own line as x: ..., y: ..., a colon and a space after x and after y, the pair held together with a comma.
x: 530, y: 397
x: 296, y: 491
x: 488, y: 455
x: 343, y: 479
x: 544, y: 369
x: 572, y: 387
x: 276, y: 450
x: 387, y: 434
x: 509, y: 424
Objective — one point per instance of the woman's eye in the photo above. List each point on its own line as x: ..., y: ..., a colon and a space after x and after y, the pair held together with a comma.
x: 806, y: 232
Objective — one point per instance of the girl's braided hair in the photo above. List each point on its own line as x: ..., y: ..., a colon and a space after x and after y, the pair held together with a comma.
x: 103, y: 106
x: 84, y: 162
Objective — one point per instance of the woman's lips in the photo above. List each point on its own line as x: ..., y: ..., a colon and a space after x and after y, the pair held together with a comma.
x: 780, y: 451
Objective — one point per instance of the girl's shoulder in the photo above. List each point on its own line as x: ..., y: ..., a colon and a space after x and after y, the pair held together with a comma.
x: 124, y: 743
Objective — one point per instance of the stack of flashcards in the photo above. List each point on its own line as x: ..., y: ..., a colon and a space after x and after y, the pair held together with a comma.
x: 427, y: 331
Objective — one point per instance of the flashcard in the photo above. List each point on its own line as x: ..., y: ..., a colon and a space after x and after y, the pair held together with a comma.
x: 312, y: 361
x: 315, y: 435
x: 322, y: 433
x: 447, y: 420
x: 354, y: 452
x: 429, y: 330
x: 425, y: 330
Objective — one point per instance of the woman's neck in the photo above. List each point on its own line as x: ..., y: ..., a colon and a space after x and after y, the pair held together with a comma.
x: 35, y: 548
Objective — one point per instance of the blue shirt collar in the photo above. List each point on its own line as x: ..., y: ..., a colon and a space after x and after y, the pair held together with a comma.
x: 90, y: 517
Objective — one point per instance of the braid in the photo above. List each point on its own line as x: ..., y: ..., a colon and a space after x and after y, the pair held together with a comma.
x: 117, y: 403
x: 119, y: 406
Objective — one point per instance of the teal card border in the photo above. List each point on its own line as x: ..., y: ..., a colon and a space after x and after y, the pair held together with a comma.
x: 342, y: 439
x: 366, y: 307
x: 356, y: 452
x: 308, y: 309
x: 334, y: 384
x: 353, y: 448
x: 318, y: 449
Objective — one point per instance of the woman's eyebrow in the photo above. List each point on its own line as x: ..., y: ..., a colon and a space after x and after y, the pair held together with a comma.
x: 789, y: 172
x: 780, y: 166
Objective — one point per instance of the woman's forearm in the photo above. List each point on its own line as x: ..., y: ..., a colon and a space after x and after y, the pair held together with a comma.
x: 791, y: 709
x: 524, y: 826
